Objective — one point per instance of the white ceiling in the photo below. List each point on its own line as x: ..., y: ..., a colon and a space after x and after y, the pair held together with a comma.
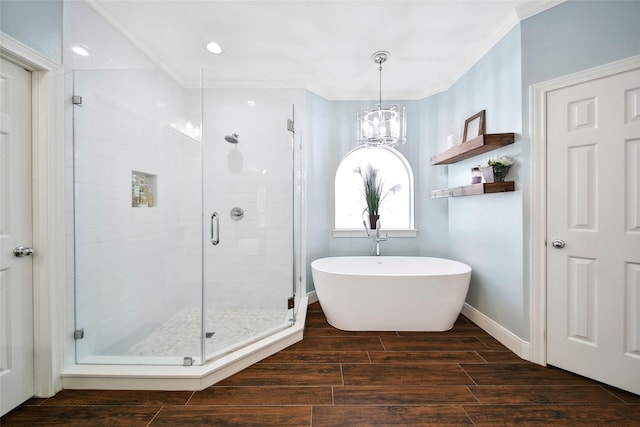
x: 322, y: 45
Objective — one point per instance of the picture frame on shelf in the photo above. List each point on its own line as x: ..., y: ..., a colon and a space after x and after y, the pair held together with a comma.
x: 474, y: 126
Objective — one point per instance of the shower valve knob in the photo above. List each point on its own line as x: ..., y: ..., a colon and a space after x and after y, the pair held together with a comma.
x: 237, y: 214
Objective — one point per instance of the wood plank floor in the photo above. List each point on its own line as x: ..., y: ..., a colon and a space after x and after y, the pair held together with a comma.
x: 336, y: 378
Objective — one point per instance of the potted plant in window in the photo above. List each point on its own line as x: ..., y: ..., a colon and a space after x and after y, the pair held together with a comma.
x: 374, y: 192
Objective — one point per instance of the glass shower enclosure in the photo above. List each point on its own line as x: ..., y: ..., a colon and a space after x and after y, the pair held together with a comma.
x: 184, y: 208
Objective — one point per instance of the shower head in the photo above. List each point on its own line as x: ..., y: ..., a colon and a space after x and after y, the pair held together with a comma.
x: 233, y: 138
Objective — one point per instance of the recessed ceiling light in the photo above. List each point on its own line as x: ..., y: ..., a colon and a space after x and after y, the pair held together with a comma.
x: 214, y: 47
x: 80, y: 50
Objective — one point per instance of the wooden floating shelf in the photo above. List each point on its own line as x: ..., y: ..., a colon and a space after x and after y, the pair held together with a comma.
x: 473, y: 147
x: 475, y: 189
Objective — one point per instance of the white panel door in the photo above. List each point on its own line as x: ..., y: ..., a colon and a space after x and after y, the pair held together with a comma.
x: 16, y: 288
x: 593, y: 229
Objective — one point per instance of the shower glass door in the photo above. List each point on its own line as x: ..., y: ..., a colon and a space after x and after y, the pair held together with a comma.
x: 137, y: 185
x: 248, y: 199
x: 184, y: 210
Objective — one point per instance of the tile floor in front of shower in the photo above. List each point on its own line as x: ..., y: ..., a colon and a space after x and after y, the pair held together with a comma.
x: 337, y: 378
x: 225, y: 328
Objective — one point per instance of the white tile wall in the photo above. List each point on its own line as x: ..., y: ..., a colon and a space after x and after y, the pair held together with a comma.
x: 252, y: 267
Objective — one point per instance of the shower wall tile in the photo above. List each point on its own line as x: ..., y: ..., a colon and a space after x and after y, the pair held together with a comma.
x: 253, y: 264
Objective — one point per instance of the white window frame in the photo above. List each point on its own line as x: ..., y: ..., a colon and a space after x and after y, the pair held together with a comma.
x: 391, y: 232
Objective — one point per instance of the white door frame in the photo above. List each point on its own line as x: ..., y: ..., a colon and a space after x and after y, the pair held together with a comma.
x: 49, y: 301
x: 538, y: 194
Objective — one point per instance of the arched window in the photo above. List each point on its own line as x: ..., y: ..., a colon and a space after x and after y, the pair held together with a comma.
x: 395, y: 178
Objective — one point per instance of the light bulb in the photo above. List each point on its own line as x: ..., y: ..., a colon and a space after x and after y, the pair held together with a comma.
x: 80, y: 50
x: 214, y: 48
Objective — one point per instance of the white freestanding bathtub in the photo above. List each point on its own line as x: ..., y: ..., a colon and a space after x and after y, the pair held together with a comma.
x: 389, y: 293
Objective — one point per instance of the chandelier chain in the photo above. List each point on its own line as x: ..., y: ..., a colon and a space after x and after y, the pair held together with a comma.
x: 380, y: 61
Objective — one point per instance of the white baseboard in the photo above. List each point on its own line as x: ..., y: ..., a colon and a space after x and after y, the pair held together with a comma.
x: 312, y: 297
x: 514, y: 343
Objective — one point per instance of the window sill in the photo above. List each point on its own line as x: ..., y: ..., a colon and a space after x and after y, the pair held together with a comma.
x: 389, y: 232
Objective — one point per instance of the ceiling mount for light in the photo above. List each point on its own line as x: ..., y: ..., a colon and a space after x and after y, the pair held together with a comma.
x: 380, y: 57
x: 382, y: 124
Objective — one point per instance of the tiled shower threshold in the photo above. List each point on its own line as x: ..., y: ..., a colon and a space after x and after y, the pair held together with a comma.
x: 155, y: 377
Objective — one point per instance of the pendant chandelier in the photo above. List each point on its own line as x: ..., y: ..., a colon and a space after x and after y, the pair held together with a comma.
x: 382, y: 124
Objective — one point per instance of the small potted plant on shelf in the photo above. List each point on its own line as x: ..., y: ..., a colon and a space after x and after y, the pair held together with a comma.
x: 496, y: 169
x: 374, y: 192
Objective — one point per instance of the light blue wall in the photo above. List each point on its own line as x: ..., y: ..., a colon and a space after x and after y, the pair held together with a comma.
x: 35, y: 23
x: 578, y: 35
x: 489, y: 232
x: 318, y: 193
x: 431, y: 214
x: 330, y: 136
x: 486, y: 231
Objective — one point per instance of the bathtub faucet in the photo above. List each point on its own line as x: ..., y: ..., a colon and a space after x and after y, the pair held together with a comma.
x: 376, y: 238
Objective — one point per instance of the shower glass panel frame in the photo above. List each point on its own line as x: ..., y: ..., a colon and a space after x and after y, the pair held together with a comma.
x: 149, y: 286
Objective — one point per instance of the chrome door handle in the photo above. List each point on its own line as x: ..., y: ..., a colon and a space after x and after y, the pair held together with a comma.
x: 22, y: 251
x: 558, y: 244
x: 215, y: 229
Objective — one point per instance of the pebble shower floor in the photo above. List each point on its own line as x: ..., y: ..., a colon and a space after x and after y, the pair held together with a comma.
x: 180, y: 334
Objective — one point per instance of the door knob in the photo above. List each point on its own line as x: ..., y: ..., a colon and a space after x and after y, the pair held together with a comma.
x: 22, y: 251
x: 558, y: 244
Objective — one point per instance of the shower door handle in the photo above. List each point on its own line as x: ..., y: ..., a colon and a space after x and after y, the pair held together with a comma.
x: 215, y: 229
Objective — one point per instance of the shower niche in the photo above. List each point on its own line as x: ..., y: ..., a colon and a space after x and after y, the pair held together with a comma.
x: 144, y: 189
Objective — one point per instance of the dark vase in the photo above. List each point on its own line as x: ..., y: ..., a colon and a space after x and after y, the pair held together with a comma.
x: 373, y: 220
x: 500, y: 173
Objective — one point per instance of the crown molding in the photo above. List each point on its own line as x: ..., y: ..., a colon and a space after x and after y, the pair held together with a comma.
x: 21, y: 54
x: 529, y: 9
